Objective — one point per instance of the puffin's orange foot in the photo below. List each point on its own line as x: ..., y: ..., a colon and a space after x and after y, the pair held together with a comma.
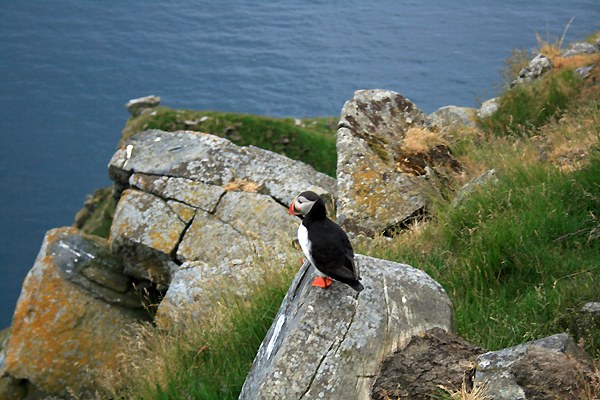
x: 322, y: 282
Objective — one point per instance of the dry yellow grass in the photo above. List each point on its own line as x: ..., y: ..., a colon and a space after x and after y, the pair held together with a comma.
x: 418, y: 140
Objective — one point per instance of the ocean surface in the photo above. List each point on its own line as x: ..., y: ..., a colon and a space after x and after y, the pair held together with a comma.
x: 67, y: 67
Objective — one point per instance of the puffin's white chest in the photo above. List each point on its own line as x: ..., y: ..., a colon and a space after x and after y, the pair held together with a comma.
x: 305, y: 243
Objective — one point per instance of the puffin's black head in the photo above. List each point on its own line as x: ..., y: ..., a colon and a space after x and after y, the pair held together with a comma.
x: 304, y: 203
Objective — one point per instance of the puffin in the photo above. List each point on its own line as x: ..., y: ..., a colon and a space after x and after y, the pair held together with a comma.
x: 324, y: 243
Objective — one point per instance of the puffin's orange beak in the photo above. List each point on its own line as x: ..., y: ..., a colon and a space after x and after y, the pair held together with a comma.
x: 292, y: 209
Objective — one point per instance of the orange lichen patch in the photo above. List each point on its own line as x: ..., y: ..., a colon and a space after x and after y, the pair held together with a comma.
x: 239, y: 185
x: 419, y: 140
x: 367, y: 180
x: 61, y: 335
x: 164, y: 240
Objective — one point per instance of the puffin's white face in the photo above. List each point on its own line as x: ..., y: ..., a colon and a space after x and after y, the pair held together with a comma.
x: 301, y: 205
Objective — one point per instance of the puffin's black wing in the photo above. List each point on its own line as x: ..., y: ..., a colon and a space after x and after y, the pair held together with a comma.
x: 332, y: 252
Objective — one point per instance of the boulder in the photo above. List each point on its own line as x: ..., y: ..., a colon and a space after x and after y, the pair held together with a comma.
x: 552, y: 367
x: 330, y: 343
x: 383, y: 180
x: 73, y: 303
x: 212, y: 160
x: 537, y: 67
x: 137, y: 106
x: 453, y: 116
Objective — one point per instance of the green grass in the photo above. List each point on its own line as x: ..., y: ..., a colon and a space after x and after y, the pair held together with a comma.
x: 313, y: 141
x: 526, y: 107
x: 205, y: 358
x: 518, y: 258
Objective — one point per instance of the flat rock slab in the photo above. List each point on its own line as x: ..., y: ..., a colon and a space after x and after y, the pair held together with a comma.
x: 329, y: 344
x: 213, y: 160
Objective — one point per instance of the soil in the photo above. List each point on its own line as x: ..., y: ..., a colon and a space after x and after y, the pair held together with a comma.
x: 429, y: 363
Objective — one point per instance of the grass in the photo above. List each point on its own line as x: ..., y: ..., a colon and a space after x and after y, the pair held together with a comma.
x: 206, y: 358
x: 310, y: 140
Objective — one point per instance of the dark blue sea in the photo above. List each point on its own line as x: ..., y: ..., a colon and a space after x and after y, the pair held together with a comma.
x: 67, y: 67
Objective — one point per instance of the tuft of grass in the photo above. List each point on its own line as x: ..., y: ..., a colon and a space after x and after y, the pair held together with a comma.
x: 309, y: 140
x: 203, y: 359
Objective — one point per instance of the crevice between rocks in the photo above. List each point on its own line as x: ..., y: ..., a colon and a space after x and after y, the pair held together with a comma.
x: 173, y: 253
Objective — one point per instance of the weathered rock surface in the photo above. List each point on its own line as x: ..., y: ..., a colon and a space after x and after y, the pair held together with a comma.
x: 431, y: 360
x: 212, y: 160
x: 330, y: 343
x: 488, y: 108
x: 580, y: 48
x: 553, y: 367
x: 375, y: 192
x: 145, y: 231
x: 73, y: 303
x: 196, y: 285
x: 136, y: 106
x: 453, y: 116
x: 537, y: 67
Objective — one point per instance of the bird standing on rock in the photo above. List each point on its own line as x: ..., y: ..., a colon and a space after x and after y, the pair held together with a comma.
x: 324, y: 243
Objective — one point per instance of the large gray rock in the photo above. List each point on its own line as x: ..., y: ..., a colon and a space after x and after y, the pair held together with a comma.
x: 327, y: 344
x: 212, y: 160
x: 73, y: 302
x: 374, y: 192
x: 551, y: 367
x: 488, y: 108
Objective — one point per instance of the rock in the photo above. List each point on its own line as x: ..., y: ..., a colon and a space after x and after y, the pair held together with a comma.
x: 145, y: 233
x: 552, y: 367
x: 584, y: 72
x: 197, y: 285
x: 586, y: 324
x: 375, y: 192
x: 330, y: 343
x: 488, y: 108
x: 186, y: 191
x: 431, y: 360
x: 136, y: 106
x: 536, y: 68
x: 580, y: 48
x: 65, y: 327
x: 453, y: 116
x: 212, y: 160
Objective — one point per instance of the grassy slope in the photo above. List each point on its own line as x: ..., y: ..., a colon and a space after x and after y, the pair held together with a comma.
x: 518, y: 258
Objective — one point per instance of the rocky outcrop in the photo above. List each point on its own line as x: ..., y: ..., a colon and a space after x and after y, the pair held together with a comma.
x: 330, y: 343
x: 553, y: 367
x: 488, y: 108
x: 382, y: 178
x: 580, y: 48
x: 216, y: 161
x: 537, y: 67
x: 73, y: 304
x: 137, y: 106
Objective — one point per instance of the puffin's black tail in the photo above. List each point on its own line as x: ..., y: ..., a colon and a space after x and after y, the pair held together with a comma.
x: 354, y: 284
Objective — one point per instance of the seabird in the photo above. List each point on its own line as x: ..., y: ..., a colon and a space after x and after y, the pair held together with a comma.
x: 324, y: 243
